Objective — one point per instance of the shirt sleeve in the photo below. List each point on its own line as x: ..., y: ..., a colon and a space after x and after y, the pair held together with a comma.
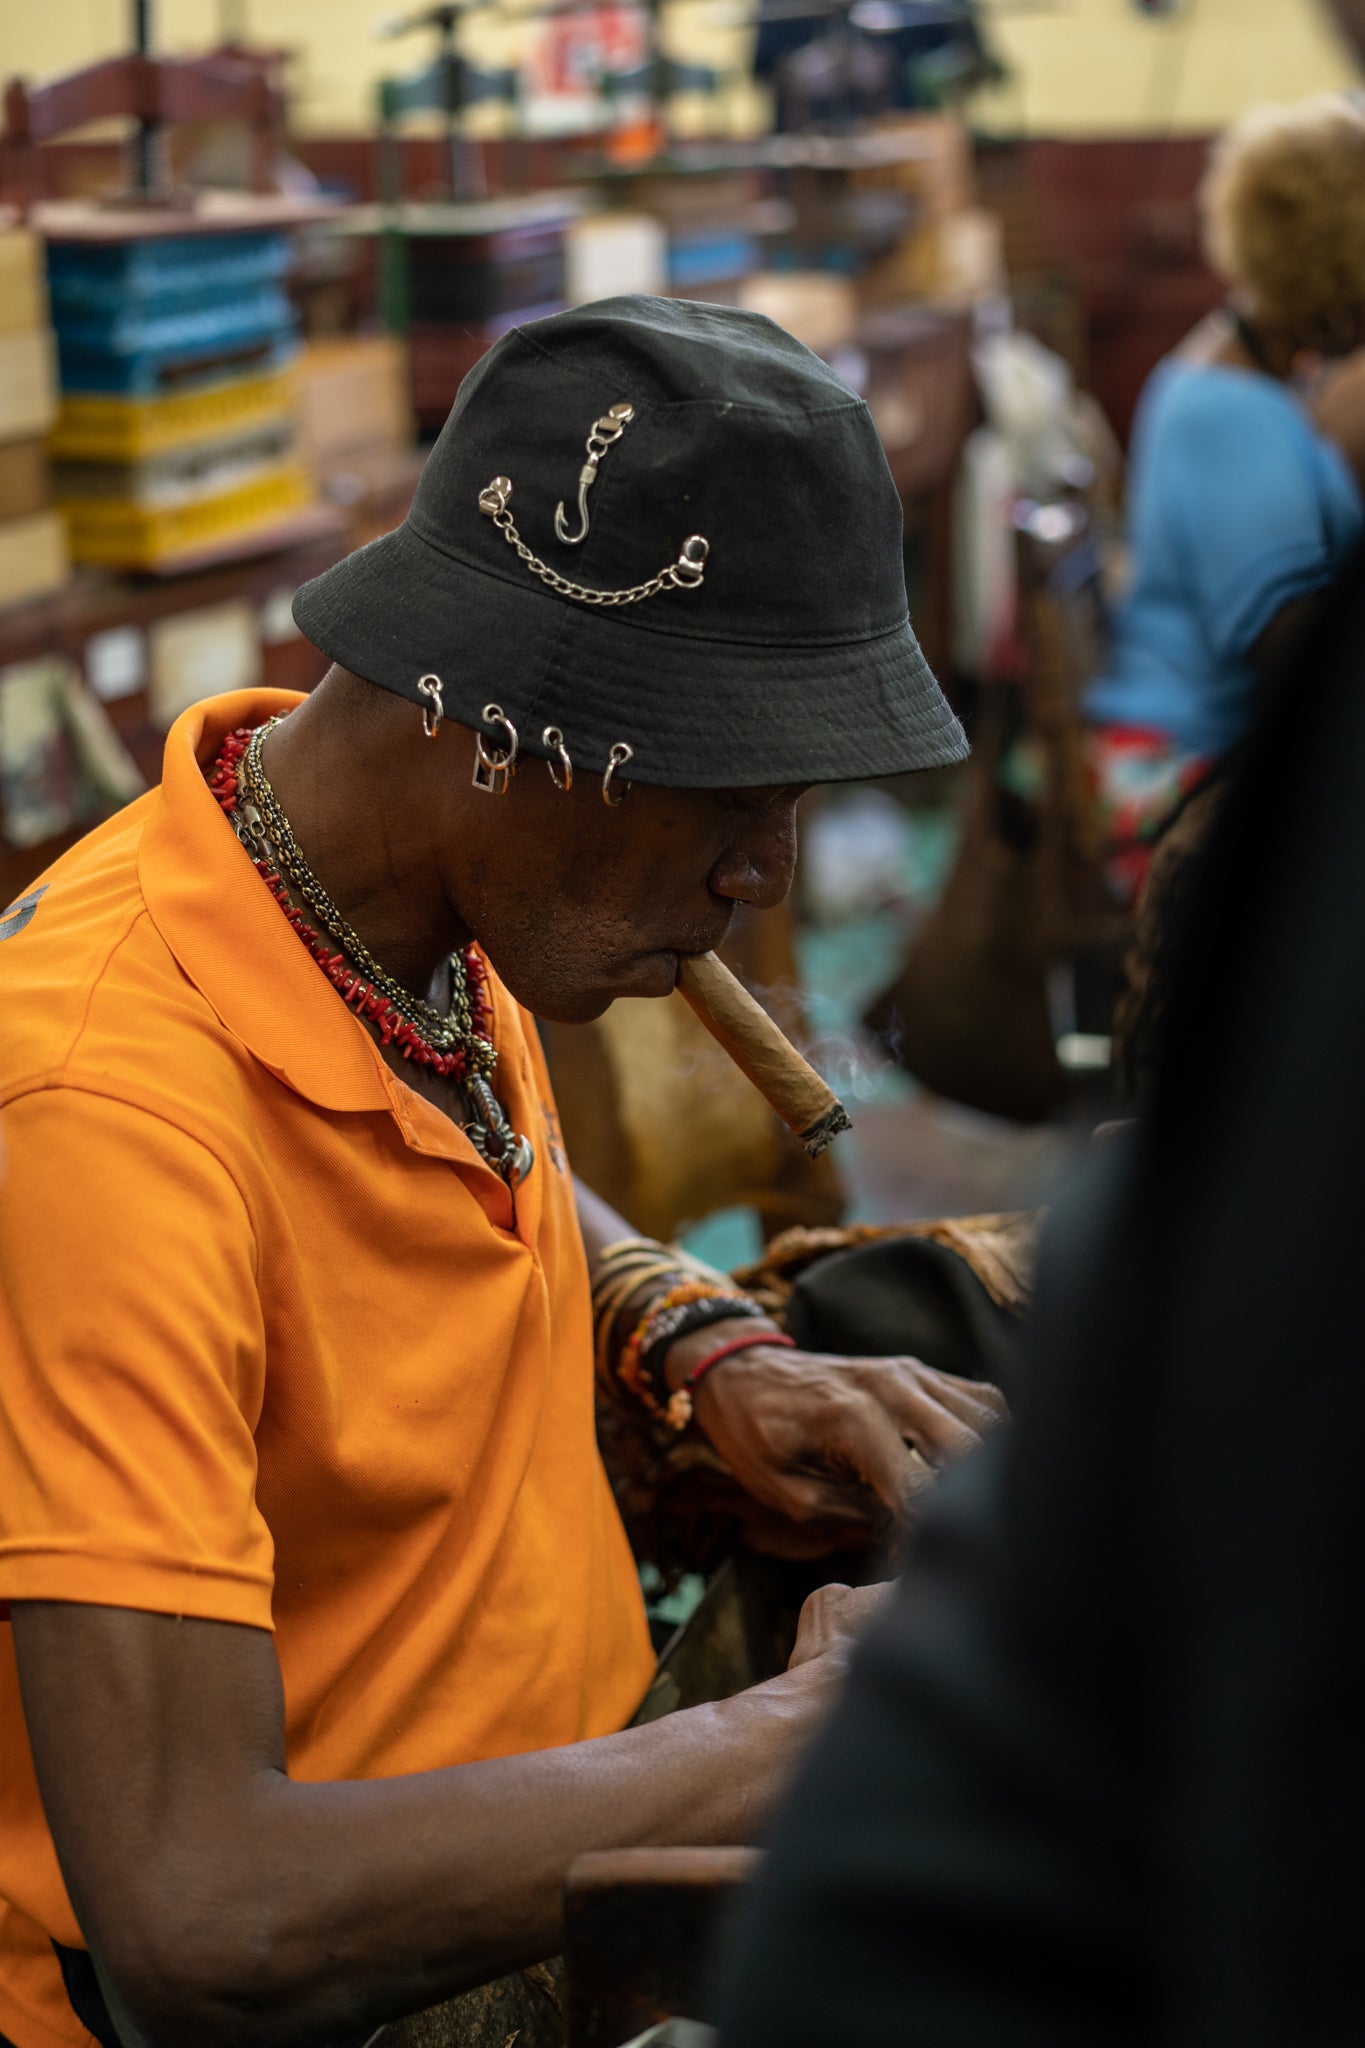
x: 133, y: 1355
x: 1250, y: 503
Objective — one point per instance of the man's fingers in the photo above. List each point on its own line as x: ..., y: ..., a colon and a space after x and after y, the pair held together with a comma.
x: 871, y: 1469
x: 824, y: 1440
x: 930, y: 1428
x: 864, y: 1438
x: 941, y: 1435
x: 810, y: 1498
x: 973, y: 1401
x: 935, y: 1413
x: 833, y: 1616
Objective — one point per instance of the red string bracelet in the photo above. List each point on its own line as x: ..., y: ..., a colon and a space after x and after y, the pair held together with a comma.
x: 679, y: 1409
x: 732, y: 1344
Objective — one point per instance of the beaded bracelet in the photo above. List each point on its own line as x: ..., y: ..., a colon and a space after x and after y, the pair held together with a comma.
x: 697, y: 1297
x: 628, y: 1369
x: 623, y: 1269
x: 609, y: 1301
x: 659, y: 1329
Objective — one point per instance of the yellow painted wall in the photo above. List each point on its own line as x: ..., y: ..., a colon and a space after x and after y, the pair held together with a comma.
x: 1083, y: 67
x: 337, y: 57
x: 1098, y: 67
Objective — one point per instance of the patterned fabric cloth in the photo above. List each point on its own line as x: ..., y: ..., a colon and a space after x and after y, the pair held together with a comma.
x: 1141, y: 778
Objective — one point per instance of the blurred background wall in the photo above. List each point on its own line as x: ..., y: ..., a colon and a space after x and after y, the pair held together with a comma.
x: 1089, y: 68
x: 1094, y: 68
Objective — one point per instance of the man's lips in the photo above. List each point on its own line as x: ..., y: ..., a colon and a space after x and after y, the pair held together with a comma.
x: 657, y: 969
x: 677, y: 954
x: 695, y: 943
x: 685, y: 946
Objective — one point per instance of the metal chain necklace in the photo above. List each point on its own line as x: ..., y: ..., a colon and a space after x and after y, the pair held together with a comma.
x: 442, y: 1032
x: 458, y: 1046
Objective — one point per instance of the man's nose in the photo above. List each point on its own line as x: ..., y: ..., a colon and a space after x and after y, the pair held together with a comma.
x: 759, y: 870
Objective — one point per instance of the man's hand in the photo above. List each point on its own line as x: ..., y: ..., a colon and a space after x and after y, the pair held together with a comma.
x: 839, y: 1445
x: 832, y: 1619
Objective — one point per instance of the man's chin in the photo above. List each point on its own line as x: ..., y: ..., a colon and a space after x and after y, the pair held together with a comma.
x: 653, y: 974
x: 649, y: 975
x: 584, y: 1009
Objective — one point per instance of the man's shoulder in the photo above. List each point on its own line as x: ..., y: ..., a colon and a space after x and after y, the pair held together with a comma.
x: 91, y: 993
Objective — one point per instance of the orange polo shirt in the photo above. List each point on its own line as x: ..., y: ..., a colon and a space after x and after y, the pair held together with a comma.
x: 276, y: 1348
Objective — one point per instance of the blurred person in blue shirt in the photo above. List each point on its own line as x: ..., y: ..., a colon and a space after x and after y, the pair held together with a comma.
x: 1240, y: 511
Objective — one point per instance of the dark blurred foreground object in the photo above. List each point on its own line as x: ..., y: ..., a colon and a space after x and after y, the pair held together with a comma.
x: 1098, y: 1778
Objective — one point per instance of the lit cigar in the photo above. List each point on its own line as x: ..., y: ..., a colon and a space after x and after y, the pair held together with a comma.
x: 759, y: 1050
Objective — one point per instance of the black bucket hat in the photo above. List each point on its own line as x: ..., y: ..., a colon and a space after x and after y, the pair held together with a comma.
x: 745, y: 507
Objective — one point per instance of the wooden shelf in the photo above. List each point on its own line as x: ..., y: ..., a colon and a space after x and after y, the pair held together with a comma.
x: 300, y: 529
x: 96, y: 602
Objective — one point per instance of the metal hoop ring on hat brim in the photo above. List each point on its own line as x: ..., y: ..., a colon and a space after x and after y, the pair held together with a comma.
x: 553, y: 738
x: 493, y: 772
x: 432, y: 714
x: 620, y: 754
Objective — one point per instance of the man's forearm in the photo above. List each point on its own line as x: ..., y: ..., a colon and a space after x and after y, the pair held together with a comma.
x: 599, y: 1223
x: 396, y: 1897
x: 228, y: 1904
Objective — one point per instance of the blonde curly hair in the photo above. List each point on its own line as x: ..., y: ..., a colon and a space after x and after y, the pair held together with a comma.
x: 1284, y: 209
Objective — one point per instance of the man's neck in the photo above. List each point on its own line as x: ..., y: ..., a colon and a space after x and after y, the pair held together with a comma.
x: 360, y: 843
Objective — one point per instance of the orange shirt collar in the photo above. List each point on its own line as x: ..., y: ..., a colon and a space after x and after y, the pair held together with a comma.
x: 226, y: 931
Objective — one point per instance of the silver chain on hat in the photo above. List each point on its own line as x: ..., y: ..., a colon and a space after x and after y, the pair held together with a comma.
x: 684, y: 574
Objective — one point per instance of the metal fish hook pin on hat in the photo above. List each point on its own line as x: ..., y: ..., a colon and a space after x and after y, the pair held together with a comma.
x: 736, y: 616
x: 607, y: 430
